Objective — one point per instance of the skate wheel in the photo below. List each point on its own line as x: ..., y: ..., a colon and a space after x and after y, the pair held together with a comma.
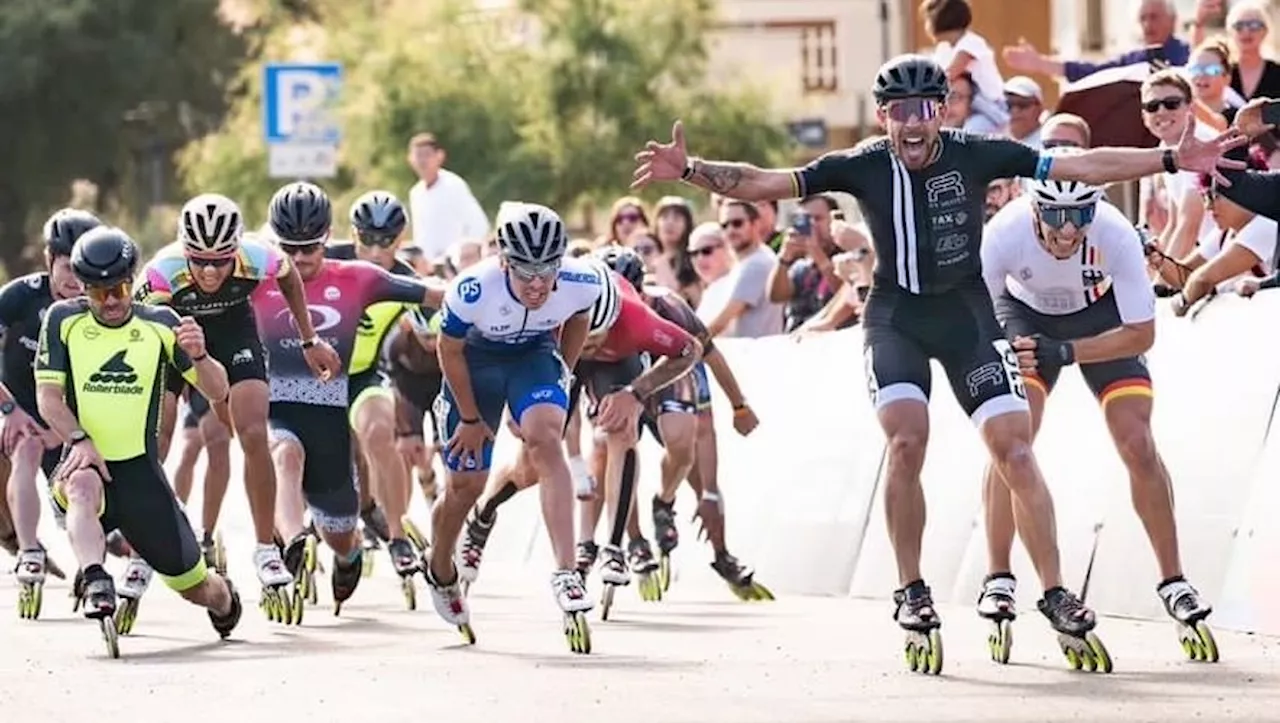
x: 664, y: 571
x: 298, y: 606
x: 578, y: 632
x: 219, y: 555
x: 606, y: 601
x: 30, y: 600
x: 127, y: 615
x: 1208, y: 645
x: 410, y: 592
x: 923, y: 652
x: 468, y: 634
x: 1000, y: 640
x: 313, y: 593
x: 366, y: 565
x: 650, y: 588
x: 1099, y: 653
x: 1085, y: 653
x: 110, y: 636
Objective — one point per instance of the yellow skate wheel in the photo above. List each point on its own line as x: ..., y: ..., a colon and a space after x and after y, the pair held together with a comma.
x: 1208, y: 645
x: 664, y: 571
x: 468, y: 634
x: 298, y: 606
x: 410, y: 592
x: 126, y: 615
x: 1073, y: 658
x: 1099, y: 652
x: 606, y: 601
x: 578, y: 632
x: 761, y: 593
x: 366, y: 565
x: 110, y: 636
x: 650, y: 588
x: 219, y: 554
x: 1000, y: 641
x: 932, y: 658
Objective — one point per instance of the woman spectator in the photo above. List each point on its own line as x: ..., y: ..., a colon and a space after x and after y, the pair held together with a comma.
x: 625, y: 217
x: 675, y: 224
x: 657, y: 269
x: 1210, y: 84
x: 963, y: 52
x: 1253, y: 75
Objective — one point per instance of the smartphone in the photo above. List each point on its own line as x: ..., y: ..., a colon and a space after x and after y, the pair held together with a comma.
x: 1271, y: 113
x: 802, y: 223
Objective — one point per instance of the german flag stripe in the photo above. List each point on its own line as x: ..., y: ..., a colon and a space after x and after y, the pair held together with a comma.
x: 1126, y: 388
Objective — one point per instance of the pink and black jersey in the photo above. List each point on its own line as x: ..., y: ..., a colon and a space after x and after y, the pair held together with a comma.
x: 337, y: 297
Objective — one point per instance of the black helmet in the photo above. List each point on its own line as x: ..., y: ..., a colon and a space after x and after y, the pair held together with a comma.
x: 104, y: 256
x: 910, y: 76
x: 378, y: 216
x: 300, y: 213
x: 64, y: 227
x: 624, y: 261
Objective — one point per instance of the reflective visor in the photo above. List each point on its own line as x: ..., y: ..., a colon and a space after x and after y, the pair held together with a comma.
x: 924, y: 109
x: 1079, y: 216
x: 122, y: 290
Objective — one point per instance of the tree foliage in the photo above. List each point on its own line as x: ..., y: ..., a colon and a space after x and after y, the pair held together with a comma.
x: 547, y: 101
x: 89, y: 85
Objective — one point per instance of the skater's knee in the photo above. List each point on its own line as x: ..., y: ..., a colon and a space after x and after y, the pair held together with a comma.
x: 906, y: 449
x: 288, y: 456
x: 377, y: 435
x: 465, y: 486
x: 542, y: 443
x: 28, y: 450
x: 253, y: 436
x: 83, y: 488
x: 1138, y: 449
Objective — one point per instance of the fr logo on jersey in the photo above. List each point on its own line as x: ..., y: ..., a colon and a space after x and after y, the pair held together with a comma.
x: 469, y: 289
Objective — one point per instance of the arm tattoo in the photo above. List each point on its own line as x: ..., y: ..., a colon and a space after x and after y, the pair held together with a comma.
x: 718, y: 177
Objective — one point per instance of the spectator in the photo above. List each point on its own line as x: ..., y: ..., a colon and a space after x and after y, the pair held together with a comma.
x: 1216, y: 103
x: 854, y: 267
x: 963, y: 52
x: 626, y: 215
x: 768, y: 223
x: 805, y: 278
x: 441, y: 207
x: 711, y: 261
x: 999, y: 193
x: 1158, y: 18
x: 1066, y: 129
x: 657, y: 271
x: 737, y: 304
x: 674, y: 225
x: 1026, y: 108
x: 1252, y: 75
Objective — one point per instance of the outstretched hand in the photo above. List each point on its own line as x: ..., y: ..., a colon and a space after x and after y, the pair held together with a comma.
x: 1193, y: 154
x: 662, y: 161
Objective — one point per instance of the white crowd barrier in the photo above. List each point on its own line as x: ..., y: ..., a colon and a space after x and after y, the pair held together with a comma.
x: 804, y: 500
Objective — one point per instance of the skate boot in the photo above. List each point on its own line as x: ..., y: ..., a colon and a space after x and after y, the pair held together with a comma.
x: 996, y: 604
x: 405, y: 563
x: 587, y: 554
x: 99, y: 600
x: 275, y: 579
x: 740, y: 578
x: 471, y: 550
x: 137, y: 578
x: 225, y: 624
x: 31, y: 575
x: 376, y: 533
x: 346, y: 577
x: 1075, y: 623
x: 916, y: 615
x: 668, y: 537
x: 300, y: 560
x: 450, y: 603
x: 614, y: 574
x: 215, y: 554
x: 645, y: 568
x: 572, y: 598
x: 1188, y: 610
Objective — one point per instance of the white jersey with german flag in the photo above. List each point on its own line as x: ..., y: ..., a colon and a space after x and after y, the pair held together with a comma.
x: 1109, y: 260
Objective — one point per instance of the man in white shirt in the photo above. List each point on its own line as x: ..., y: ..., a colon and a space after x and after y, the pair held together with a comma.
x: 1026, y: 106
x: 441, y: 207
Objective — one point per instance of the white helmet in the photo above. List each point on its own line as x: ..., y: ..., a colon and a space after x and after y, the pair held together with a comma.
x: 1064, y: 194
x: 211, y: 225
x: 530, y: 235
x: 605, y: 312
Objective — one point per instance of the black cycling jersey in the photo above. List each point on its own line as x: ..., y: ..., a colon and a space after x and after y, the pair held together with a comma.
x: 23, y: 302
x: 346, y: 251
x: 926, y: 225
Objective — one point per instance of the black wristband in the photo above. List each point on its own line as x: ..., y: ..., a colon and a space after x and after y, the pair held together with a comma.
x: 1170, y: 163
x: 200, y: 358
x: 688, y: 171
x: 468, y: 421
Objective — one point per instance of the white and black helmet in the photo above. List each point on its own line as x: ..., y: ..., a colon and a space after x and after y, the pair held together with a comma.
x: 530, y: 235
x: 1064, y: 194
x: 211, y: 225
x: 605, y: 312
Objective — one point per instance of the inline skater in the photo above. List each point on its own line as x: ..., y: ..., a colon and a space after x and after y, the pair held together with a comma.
x: 921, y: 190
x: 620, y: 386
x: 27, y: 442
x: 409, y: 354
x: 692, y: 394
x: 498, y: 350
x: 1068, y: 275
x: 209, y: 273
x: 101, y: 363
x: 309, y: 418
x: 204, y: 432
x: 377, y: 222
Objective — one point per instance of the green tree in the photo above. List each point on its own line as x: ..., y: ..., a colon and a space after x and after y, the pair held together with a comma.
x: 91, y: 88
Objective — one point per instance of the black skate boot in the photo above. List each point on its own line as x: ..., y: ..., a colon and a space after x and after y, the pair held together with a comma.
x: 740, y: 578
x: 1075, y: 623
x: 915, y: 613
x: 345, y: 578
x: 667, y: 536
x: 996, y: 604
x: 405, y: 563
x: 588, y: 551
x: 99, y: 595
x: 224, y: 624
x: 1189, y: 610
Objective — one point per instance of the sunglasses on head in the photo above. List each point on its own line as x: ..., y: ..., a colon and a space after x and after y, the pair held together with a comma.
x: 1079, y: 216
x: 302, y: 249
x: 122, y: 290
x: 1254, y: 25
x: 373, y: 238
x: 921, y: 108
x: 1170, y: 103
x: 705, y: 250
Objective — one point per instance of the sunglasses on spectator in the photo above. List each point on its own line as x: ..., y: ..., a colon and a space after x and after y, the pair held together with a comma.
x: 733, y: 223
x: 1056, y: 218
x: 215, y: 262
x: 1170, y: 103
x: 1211, y: 70
x: 1056, y: 143
x: 122, y: 291
x: 630, y: 216
x: 705, y: 250
x: 907, y: 108
x: 1254, y: 25
x: 302, y: 249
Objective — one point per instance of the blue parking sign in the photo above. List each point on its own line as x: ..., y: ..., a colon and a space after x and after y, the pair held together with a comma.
x: 300, y: 103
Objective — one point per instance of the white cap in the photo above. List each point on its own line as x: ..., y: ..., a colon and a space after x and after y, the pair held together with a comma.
x: 1023, y: 87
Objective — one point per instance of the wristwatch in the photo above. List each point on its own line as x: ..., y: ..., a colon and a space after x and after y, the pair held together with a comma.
x: 308, y: 343
x: 76, y: 437
x: 7, y: 408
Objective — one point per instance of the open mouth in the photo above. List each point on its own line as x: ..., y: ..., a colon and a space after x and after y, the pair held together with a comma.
x: 914, y: 148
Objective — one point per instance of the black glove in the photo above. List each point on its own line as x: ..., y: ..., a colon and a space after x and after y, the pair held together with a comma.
x: 1052, y: 354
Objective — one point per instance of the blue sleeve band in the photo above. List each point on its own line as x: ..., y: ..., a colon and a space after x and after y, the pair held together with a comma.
x: 453, y: 326
x: 1043, y: 166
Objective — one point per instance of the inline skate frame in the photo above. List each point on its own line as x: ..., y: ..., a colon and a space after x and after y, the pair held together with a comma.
x: 572, y: 598
x: 1183, y: 603
x: 614, y: 574
x: 916, y: 615
x: 215, y: 553
x: 97, y: 591
x: 300, y: 560
x: 1074, y: 623
x: 405, y: 563
x: 376, y: 533
x: 667, y: 536
x: 31, y: 572
x: 646, y: 569
x: 996, y: 605
x: 741, y: 579
x: 137, y: 578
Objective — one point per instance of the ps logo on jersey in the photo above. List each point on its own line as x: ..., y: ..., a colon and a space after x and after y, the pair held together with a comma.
x: 469, y: 289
